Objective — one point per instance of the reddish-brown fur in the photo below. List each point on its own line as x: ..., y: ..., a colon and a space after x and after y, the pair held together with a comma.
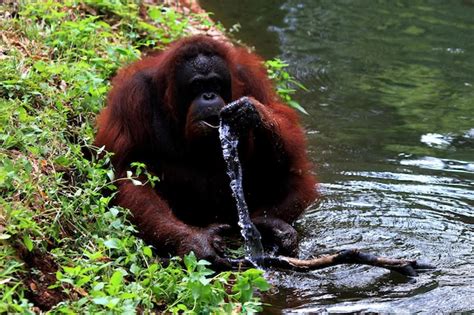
x: 141, y: 123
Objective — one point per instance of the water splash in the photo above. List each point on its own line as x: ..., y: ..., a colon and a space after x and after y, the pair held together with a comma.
x: 252, y: 239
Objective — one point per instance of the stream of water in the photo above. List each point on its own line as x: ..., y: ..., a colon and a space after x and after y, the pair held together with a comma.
x: 252, y: 239
x: 390, y: 132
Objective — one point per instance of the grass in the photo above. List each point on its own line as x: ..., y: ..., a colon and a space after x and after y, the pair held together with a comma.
x: 64, y: 248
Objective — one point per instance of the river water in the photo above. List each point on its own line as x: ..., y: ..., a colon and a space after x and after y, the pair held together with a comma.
x: 391, y: 133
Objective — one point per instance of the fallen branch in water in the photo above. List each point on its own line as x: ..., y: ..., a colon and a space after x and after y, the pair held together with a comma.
x: 348, y: 256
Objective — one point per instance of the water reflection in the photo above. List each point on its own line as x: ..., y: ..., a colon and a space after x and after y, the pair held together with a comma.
x: 391, y: 132
x: 427, y: 217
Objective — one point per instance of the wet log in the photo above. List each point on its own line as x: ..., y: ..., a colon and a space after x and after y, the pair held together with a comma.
x: 406, y: 267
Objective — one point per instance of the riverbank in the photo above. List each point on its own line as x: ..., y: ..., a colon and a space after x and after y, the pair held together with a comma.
x: 64, y: 247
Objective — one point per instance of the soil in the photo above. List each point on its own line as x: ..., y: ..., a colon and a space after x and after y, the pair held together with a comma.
x: 41, y: 274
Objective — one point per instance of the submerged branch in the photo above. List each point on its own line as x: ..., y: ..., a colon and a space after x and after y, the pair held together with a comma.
x: 349, y: 256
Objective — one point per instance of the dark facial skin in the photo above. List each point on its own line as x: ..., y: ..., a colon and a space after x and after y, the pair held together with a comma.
x: 203, y: 88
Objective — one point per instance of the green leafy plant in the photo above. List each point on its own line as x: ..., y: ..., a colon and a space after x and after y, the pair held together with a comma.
x: 286, y: 84
x: 140, y: 170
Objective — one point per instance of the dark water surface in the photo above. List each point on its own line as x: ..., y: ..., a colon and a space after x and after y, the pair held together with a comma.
x: 391, y: 132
